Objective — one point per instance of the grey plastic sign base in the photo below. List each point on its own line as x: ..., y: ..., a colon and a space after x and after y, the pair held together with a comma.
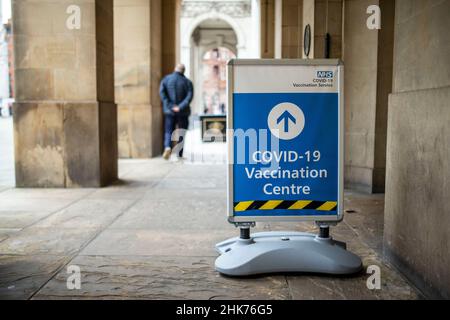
x: 283, y: 252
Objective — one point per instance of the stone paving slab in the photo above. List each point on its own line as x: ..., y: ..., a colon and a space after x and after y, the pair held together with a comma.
x: 151, y: 170
x: 20, y: 219
x: 157, y: 243
x: 5, y: 233
x: 193, y: 171
x: 160, y: 278
x: 124, y: 189
x: 364, y: 214
x: 194, y: 213
x: 197, y: 183
x: 3, y: 189
x: 167, y: 195
x: 8, y: 231
x: 54, y: 241
x: 47, y: 194
x: 315, y: 287
x: 50, y: 204
x: 146, y: 175
x: 22, y: 276
x: 128, y: 165
x: 86, y: 214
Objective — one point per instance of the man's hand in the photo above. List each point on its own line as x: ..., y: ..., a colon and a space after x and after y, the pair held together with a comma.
x: 176, y: 109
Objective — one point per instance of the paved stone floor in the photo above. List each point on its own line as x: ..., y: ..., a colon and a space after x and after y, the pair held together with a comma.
x: 152, y: 236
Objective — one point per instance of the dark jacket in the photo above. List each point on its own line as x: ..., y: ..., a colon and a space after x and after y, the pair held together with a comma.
x: 176, y: 89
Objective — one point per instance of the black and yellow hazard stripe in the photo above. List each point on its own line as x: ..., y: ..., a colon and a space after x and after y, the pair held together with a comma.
x: 285, y: 205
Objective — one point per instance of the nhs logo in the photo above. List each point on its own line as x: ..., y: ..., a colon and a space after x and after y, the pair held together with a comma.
x: 325, y: 74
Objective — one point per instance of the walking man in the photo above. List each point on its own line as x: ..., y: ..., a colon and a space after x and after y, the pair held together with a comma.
x: 176, y: 93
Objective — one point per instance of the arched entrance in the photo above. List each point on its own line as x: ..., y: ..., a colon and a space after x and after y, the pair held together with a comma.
x: 212, y: 42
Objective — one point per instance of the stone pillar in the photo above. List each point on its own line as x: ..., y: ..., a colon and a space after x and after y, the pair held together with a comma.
x: 308, y: 17
x: 328, y: 20
x: 170, y: 42
x: 65, y: 117
x: 384, y: 88
x: 292, y: 26
x: 278, y: 41
x: 417, y: 214
x: 255, y: 43
x: 267, y: 29
x: 368, y: 73
x: 138, y: 52
x: 367, y: 56
x: 323, y: 16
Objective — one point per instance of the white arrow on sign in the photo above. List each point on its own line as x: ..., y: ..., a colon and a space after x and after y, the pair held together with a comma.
x: 286, y: 121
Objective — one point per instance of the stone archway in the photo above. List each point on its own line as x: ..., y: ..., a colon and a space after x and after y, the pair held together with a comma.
x: 238, y: 21
x: 207, y: 35
x: 185, y: 41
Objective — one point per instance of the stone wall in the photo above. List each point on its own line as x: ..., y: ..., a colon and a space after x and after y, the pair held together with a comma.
x: 65, y: 117
x: 328, y: 19
x: 292, y: 29
x: 368, y: 74
x: 384, y: 88
x: 267, y: 29
x: 360, y: 59
x: 367, y: 56
x: 138, y: 41
x: 417, y: 215
x: 170, y: 42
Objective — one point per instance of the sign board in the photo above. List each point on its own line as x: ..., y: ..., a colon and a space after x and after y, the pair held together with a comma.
x: 285, y: 151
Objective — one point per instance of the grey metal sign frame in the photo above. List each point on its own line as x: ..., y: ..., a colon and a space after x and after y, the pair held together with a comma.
x: 332, y: 219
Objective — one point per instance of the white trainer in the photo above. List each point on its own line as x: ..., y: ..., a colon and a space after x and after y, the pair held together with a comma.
x: 167, y: 153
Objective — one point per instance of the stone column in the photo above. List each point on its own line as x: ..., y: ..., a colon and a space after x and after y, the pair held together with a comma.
x: 65, y: 117
x: 308, y: 16
x: 278, y: 28
x: 292, y: 26
x: 267, y: 29
x: 138, y: 52
x: 328, y: 20
x: 254, y: 43
x: 323, y: 16
x: 368, y: 81
x: 417, y: 214
x: 170, y: 42
x: 367, y: 56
